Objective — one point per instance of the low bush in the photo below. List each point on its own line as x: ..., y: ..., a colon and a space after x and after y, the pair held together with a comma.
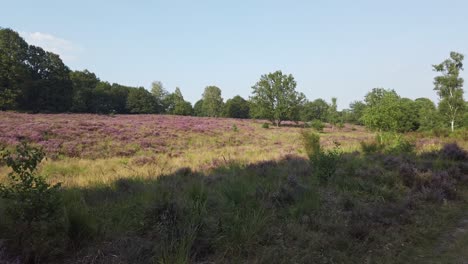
x: 317, y: 125
x: 33, y: 204
x: 324, y: 162
x: 265, y: 125
x: 388, y: 143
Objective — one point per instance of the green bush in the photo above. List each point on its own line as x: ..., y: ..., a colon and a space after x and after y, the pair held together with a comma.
x: 265, y: 125
x: 388, y: 143
x: 234, y: 128
x: 325, y: 162
x: 32, y: 204
x: 317, y: 125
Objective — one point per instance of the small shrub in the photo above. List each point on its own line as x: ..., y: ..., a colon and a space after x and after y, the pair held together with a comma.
x: 317, y: 125
x: 265, y: 125
x: 234, y: 128
x: 388, y: 143
x: 324, y: 162
x: 33, y: 204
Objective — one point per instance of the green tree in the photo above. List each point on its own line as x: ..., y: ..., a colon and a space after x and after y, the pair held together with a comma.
x: 449, y: 87
x: 198, y: 108
x: 356, y: 110
x: 333, y: 115
x: 212, y: 102
x: 161, y: 95
x: 315, y: 110
x: 386, y: 111
x: 140, y: 101
x: 119, y: 98
x: 83, y: 82
x: 13, y: 68
x: 50, y: 88
x: 237, y: 107
x: 176, y: 105
x: 428, y: 116
x: 276, y: 99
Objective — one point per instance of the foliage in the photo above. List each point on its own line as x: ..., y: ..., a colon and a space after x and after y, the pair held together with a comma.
x: 428, y: 116
x: 237, y: 107
x: 33, y: 203
x: 386, y: 111
x: 324, y: 162
x: 388, y: 143
x: 265, y: 125
x: 212, y: 102
x: 333, y: 115
x: 140, y: 101
x: 356, y: 112
x: 31, y: 79
x: 276, y: 99
x: 176, y: 105
x: 316, y: 109
x: 449, y: 88
x: 317, y: 125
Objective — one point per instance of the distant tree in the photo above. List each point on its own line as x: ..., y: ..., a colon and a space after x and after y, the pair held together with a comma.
x: 176, y: 105
x: 161, y: 94
x: 333, y: 115
x: 386, y: 111
x: 119, y: 98
x: 13, y: 68
x: 449, y: 87
x: 140, y: 101
x: 356, y: 111
x: 237, y: 107
x: 212, y: 102
x: 83, y: 83
x: 315, y: 110
x: 102, y: 100
x: 198, y: 108
x: 428, y: 116
x: 50, y: 88
x: 276, y: 99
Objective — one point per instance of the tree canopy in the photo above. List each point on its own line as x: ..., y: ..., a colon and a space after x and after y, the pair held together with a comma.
x: 276, y: 99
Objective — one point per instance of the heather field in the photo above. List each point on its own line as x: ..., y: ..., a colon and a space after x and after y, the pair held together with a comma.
x: 174, y: 189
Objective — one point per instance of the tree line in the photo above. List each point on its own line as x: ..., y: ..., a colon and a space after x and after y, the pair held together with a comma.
x: 35, y: 80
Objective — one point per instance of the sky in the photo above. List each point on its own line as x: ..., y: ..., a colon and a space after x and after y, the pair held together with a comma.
x: 333, y: 48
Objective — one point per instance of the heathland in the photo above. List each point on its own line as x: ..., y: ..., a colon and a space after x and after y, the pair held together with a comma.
x: 175, y: 189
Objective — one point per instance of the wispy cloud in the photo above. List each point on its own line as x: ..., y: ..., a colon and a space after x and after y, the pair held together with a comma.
x: 67, y: 50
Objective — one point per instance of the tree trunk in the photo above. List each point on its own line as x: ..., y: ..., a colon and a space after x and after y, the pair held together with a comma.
x: 452, y: 123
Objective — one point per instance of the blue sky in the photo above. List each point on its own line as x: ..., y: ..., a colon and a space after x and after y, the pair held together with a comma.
x: 333, y: 48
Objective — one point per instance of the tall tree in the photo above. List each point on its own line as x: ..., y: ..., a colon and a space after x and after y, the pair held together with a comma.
x: 276, y: 99
x: 212, y: 101
x: 84, y: 83
x: 161, y: 94
x: 237, y: 107
x: 176, y: 105
x: 50, y: 88
x: 13, y: 68
x: 333, y: 115
x: 449, y: 87
x: 428, y: 117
